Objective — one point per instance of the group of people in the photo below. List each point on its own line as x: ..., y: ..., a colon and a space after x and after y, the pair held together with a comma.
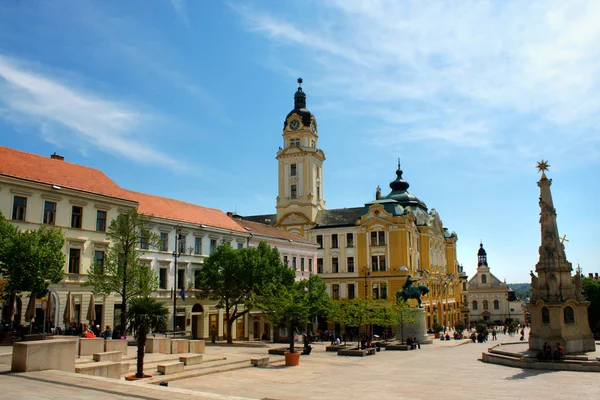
x: 95, y: 332
x: 413, y: 342
x: 548, y: 354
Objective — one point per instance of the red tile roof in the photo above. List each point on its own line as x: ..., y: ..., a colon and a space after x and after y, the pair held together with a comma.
x: 177, y: 210
x: 22, y: 165
x: 257, y: 228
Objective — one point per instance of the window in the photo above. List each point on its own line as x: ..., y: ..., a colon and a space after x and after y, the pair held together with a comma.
x: 294, y: 263
x: 196, y: 279
x: 293, y: 169
x: 295, y: 142
x: 313, y: 143
x: 379, y: 291
x: 351, y: 291
x: 180, y: 278
x: 182, y: 243
x: 378, y: 238
x: 197, y: 245
x: 319, y: 265
x: 335, y: 291
x: 334, y: 241
x: 144, y: 242
x: 76, y: 216
x: 213, y: 245
x: 318, y: 192
x: 378, y: 263
x: 335, y: 268
x: 240, y: 245
x: 49, y: 213
x: 545, y: 315
x: 349, y: 240
x: 350, y: 264
x: 375, y: 291
x: 100, y: 221
x: 310, y: 265
x: 162, y: 278
x: 485, y: 304
x: 99, y: 258
x: 285, y: 261
x: 496, y: 305
x: 19, y: 208
x: 474, y: 305
x: 569, y: 315
x: 320, y: 241
x: 74, y: 256
x: 383, y: 287
x: 293, y: 192
x: 483, y: 279
x: 164, y: 241
x: 302, y: 264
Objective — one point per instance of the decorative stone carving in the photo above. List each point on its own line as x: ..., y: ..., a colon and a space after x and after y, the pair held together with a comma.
x: 535, y: 289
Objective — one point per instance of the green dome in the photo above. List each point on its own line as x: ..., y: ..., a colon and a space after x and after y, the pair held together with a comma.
x: 399, y: 193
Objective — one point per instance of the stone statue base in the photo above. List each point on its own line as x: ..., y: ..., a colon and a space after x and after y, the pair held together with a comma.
x: 418, y: 328
x: 576, y: 336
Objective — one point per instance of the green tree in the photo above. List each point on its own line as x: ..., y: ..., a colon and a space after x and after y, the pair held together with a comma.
x: 591, y: 291
x: 406, y: 315
x: 292, y: 305
x: 356, y: 312
x: 123, y: 272
x: 144, y: 315
x: 234, y: 277
x: 320, y: 304
x: 29, y: 260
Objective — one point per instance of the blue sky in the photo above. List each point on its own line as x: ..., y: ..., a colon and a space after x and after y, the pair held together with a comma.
x: 186, y: 99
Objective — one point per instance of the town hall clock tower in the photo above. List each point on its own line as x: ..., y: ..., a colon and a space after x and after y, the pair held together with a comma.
x: 300, y: 165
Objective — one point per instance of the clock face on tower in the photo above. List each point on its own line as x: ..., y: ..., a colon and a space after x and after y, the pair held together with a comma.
x: 295, y: 124
x: 313, y: 127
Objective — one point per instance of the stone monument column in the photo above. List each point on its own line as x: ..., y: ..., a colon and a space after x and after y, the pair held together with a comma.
x: 558, y: 308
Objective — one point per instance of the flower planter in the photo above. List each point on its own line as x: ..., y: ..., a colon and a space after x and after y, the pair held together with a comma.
x: 132, y: 377
x: 292, y: 359
x: 436, y: 335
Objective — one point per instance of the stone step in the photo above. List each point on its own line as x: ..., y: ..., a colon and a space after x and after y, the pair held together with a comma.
x: 201, y: 370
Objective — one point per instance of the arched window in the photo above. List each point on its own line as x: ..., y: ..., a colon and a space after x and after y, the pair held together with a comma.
x: 496, y: 305
x: 545, y: 316
x: 474, y: 305
x: 569, y: 315
x: 485, y: 304
x: 483, y: 278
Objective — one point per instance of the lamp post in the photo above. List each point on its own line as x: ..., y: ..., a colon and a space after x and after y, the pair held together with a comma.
x: 367, y: 274
x: 176, y: 253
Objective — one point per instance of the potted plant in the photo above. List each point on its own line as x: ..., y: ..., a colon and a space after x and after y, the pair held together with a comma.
x: 437, y: 328
x: 144, y: 314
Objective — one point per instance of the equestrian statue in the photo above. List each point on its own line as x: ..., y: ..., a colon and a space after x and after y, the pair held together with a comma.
x: 411, y: 292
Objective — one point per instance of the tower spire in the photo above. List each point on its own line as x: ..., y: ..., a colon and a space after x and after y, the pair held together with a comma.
x: 299, y: 97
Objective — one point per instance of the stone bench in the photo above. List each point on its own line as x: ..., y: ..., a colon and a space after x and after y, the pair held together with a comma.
x: 42, y: 355
x: 191, y: 359
x: 260, y: 361
x: 170, y: 368
x: 158, y: 345
x: 108, y: 356
x: 197, y: 346
x: 180, y: 346
x: 116, y: 345
x: 89, y: 346
x: 356, y: 352
x: 336, y: 347
x: 280, y: 351
x: 106, y: 369
x: 401, y: 347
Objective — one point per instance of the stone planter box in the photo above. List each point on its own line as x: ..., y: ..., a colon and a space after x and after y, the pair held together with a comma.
x: 42, y: 355
x: 158, y: 345
x: 116, y: 345
x: 89, y: 346
x: 180, y: 346
x: 197, y: 346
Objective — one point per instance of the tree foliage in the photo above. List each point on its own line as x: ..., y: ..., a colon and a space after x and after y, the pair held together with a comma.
x: 406, y: 315
x: 30, y: 259
x: 234, y: 277
x: 144, y: 315
x: 294, y: 304
x: 123, y: 272
x: 591, y: 291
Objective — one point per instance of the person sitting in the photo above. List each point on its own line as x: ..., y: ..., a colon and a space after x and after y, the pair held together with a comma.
x: 409, y: 343
x: 87, y: 333
x: 559, y: 351
x: 107, y: 334
x: 442, y: 337
x: 416, y: 341
x: 447, y: 336
x: 546, y: 353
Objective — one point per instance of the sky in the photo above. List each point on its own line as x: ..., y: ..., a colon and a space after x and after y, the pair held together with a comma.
x: 187, y: 99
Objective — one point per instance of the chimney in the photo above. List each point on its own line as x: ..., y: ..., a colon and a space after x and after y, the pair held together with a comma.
x: 596, y: 276
x: 229, y: 214
x: 591, y: 275
x: 57, y: 157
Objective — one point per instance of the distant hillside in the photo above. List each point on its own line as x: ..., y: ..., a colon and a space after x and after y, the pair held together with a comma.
x: 522, y: 290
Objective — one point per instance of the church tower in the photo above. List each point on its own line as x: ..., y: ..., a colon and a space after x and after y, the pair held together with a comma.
x: 300, y: 165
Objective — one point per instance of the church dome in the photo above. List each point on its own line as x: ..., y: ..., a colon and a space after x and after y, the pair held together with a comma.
x: 299, y: 107
x: 399, y: 193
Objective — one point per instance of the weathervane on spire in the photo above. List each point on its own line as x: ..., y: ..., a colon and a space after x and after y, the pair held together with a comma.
x: 543, y: 166
x: 299, y: 83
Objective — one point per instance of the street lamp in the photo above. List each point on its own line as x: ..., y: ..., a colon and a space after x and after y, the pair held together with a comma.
x: 176, y: 253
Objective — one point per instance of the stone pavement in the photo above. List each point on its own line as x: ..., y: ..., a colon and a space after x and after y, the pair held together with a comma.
x: 442, y: 370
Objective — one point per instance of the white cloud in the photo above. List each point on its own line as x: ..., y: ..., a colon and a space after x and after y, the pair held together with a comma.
x: 472, y: 73
x: 65, y: 114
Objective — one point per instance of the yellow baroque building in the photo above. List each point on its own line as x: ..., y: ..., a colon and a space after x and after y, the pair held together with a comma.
x: 368, y: 250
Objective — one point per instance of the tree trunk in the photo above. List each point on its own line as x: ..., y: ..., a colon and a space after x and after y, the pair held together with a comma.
x: 124, y: 297
x: 291, y: 339
x: 140, y: 352
x: 229, y: 329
